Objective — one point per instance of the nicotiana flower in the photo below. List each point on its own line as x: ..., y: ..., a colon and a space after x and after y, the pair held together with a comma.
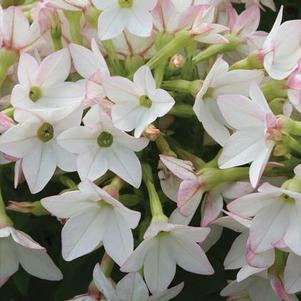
x: 100, y: 147
x: 117, y: 15
x: 282, y: 48
x: 16, y: 33
x: 294, y: 88
x: 95, y: 218
x: 137, y: 103
x: 43, y: 87
x: 256, y: 127
x: 276, y: 219
x: 221, y: 81
x: 166, y: 245
x: 17, y: 248
x: 130, y: 288
x: 34, y: 141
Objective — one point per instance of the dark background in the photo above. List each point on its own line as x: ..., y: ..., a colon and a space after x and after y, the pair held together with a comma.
x: 77, y: 274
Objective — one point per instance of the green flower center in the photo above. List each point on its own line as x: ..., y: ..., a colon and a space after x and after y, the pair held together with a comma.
x: 45, y: 132
x: 35, y: 93
x: 145, y: 101
x: 105, y: 139
x: 125, y: 3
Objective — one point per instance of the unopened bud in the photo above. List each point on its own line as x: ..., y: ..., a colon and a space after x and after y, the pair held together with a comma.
x: 34, y: 208
x: 151, y: 132
x: 177, y: 61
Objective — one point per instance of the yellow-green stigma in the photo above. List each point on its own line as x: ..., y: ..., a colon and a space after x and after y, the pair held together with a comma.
x: 145, y: 101
x: 105, y: 139
x: 45, y: 132
x: 35, y: 93
x: 125, y: 3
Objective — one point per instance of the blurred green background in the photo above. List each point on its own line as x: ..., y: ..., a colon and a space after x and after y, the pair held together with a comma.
x: 77, y: 274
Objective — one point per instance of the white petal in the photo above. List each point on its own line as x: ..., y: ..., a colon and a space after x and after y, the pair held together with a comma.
x: 132, y: 287
x: 144, y: 80
x: 38, y: 264
x: 159, y: 266
x: 83, y: 233
x: 9, y: 263
x: 103, y: 284
x: 38, y: 167
x: 26, y: 69
x: 125, y: 164
x: 118, y: 239
x: 54, y: 68
x: 168, y: 294
x: 292, y: 274
x: 140, y: 23
x: 189, y: 255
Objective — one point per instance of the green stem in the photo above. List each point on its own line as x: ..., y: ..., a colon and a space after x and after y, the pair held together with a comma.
x: 197, y: 162
x: 155, y: 203
x: 253, y: 61
x: 274, y: 89
x: 73, y: 18
x: 164, y: 147
x: 182, y: 110
x: 183, y: 86
x: 4, y: 218
x: 181, y: 40
x: 212, y: 50
x: 107, y: 265
x: 291, y: 126
x: 7, y: 59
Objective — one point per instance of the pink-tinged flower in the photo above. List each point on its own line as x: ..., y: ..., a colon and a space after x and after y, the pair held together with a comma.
x: 91, y: 65
x: 166, y: 245
x: 254, y: 288
x: 95, y: 218
x: 282, y: 48
x: 182, y: 184
x: 73, y: 5
x: 117, y: 15
x: 43, y: 87
x: 238, y: 256
x: 17, y: 248
x: 278, y: 287
x: 276, y: 219
x: 34, y: 141
x: 294, y: 88
x: 292, y: 274
x: 221, y: 81
x: 100, y: 147
x: 16, y: 33
x: 137, y: 103
x: 130, y: 288
x: 204, y: 29
x: 256, y: 127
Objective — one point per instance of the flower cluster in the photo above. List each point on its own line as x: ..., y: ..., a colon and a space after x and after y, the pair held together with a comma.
x: 146, y: 127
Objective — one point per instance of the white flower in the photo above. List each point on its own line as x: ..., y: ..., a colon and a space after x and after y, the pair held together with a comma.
x: 138, y: 103
x: 117, y: 15
x: 255, y: 126
x: 17, y: 248
x: 165, y: 246
x: 34, y: 141
x: 94, y: 218
x: 130, y: 288
x: 282, y: 48
x: 221, y: 81
x: 100, y: 146
x: 42, y: 86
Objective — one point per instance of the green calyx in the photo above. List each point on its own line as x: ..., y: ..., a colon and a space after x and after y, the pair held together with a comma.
x: 35, y: 93
x: 125, y: 3
x: 105, y: 139
x: 45, y: 132
x: 145, y: 101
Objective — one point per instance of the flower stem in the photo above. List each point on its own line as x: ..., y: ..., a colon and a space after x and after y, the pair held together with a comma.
x: 4, y: 218
x: 183, y: 86
x: 181, y: 40
x: 164, y: 147
x: 107, y: 265
x: 212, y: 50
x: 74, y: 18
x: 155, y: 203
x: 7, y: 59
